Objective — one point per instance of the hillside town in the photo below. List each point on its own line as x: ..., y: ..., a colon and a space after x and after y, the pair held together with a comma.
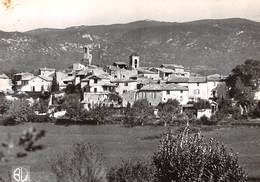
x: 130, y: 81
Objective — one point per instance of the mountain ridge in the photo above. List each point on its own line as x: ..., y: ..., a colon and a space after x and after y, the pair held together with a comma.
x: 216, y: 44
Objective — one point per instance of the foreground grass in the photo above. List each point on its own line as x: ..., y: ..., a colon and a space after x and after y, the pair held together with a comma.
x: 118, y: 143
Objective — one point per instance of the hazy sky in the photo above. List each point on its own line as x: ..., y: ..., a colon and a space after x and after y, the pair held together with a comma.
x: 24, y: 15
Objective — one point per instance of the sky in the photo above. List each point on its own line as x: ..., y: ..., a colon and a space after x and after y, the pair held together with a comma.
x: 23, y: 15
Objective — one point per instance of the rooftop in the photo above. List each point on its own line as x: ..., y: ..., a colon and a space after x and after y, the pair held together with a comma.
x: 163, y: 87
x: 101, y: 76
x: 215, y: 77
x: 198, y: 79
x: 178, y: 80
x: 165, y: 70
x: 120, y: 63
x: 145, y: 71
x: 145, y: 81
x: 172, y: 65
x: 46, y: 78
x: 3, y: 76
x: 122, y: 80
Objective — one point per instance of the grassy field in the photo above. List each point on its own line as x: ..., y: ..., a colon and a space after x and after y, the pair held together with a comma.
x: 118, y: 143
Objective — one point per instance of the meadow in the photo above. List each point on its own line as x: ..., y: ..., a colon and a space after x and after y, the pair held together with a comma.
x: 118, y: 143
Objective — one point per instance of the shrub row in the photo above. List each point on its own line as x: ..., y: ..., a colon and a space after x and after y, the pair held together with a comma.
x: 179, y: 158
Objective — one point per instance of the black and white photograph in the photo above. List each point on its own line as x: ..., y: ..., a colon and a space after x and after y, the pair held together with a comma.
x: 129, y: 91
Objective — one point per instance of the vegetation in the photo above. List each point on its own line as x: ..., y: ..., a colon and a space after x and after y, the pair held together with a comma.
x: 169, y: 111
x: 42, y: 105
x: 55, y: 84
x: 19, y: 111
x: 140, y: 171
x: 242, y: 82
x: 72, y: 89
x: 72, y: 106
x: 119, y: 143
x: 82, y: 163
x: 200, y: 104
x: 4, y: 104
x: 139, y: 114
x: 190, y: 158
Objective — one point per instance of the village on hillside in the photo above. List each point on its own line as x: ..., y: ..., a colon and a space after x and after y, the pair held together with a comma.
x: 129, y: 81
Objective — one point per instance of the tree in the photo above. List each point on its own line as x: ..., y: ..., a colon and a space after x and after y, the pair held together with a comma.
x: 20, y: 111
x: 4, y: 104
x: 139, y: 113
x: 201, y: 104
x: 115, y: 98
x: 70, y: 88
x: 99, y: 113
x: 168, y: 111
x: 241, y: 83
x: 42, y: 103
x: 55, y: 85
x: 72, y: 106
x: 10, y: 73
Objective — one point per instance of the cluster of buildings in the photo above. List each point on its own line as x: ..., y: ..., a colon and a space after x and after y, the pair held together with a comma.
x: 129, y: 80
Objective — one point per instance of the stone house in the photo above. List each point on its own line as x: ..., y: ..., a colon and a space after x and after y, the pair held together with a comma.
x: 124, y: 85
x: 36, y: 84
x: 156, y: 93
x: 97, y: 84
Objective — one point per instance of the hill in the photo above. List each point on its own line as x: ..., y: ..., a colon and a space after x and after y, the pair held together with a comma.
x: 203, y: 45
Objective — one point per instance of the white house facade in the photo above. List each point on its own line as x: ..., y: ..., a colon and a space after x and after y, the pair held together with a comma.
x: 124, y: 85
x: 36, y: 84
x: 5, y: 83
x: 156, y: 93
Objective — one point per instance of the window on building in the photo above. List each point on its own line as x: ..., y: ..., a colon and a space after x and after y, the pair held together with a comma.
x: 198, y: 84
x: 24, y: 82
x: 95, y: 90
x: 95, y: 80
x: 126, y: 84
x: 181, y: 91
x: 168, y: 92
x: 124, y: 91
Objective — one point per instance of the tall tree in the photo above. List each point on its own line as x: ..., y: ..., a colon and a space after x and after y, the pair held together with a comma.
x: 241, y: 83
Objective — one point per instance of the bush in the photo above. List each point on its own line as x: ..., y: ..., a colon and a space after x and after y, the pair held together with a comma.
x: 139, y: 171
x: 42, y: 105
x: 204, y: 120
x: 189, y: 158
x: 72, y: 106
x: 139, y: 114
x: 4, y: 104
x: 82, y: 163
x: 20, y: 111
x: 168, y: 111
x: 201, y: 104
